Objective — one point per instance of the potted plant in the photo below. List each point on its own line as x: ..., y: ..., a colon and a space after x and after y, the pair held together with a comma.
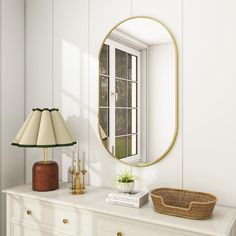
x: 125, y: 181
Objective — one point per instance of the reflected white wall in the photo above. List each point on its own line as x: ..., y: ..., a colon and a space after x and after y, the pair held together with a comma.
x: 160, y: 99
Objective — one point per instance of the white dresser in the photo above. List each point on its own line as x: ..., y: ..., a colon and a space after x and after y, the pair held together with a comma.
x: 59, y: 213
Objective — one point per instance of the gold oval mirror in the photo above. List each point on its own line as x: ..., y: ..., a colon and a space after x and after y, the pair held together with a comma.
x: 138, y: 91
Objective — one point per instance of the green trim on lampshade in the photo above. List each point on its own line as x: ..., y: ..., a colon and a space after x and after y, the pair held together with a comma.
x: 43, y: 146
x: 45, y: 109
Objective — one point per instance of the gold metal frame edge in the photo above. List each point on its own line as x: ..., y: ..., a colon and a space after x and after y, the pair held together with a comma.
x: 174, y: 136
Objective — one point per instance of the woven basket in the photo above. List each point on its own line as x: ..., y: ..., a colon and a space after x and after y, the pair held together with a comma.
x: 183, y: 203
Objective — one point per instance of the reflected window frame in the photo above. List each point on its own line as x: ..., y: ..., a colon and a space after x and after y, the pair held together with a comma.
x: 130, y: 52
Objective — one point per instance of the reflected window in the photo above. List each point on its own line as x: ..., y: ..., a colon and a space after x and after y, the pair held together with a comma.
x: 118, y: 103
x: 104, y: 81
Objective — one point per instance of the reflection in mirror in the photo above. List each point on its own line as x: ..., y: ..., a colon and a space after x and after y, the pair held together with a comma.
x: 138, y: 91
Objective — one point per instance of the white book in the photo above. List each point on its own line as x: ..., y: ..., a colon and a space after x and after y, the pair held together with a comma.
x: 122, y: 203
x: 135, y: 197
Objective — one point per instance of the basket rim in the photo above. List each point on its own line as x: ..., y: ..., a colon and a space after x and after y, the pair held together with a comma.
x: 183, y: 190
x: 184, y: 216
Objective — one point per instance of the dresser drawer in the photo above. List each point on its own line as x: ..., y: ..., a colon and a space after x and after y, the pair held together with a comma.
x: 56, y: 216
x: 112, y: 226
x: 25, y: 230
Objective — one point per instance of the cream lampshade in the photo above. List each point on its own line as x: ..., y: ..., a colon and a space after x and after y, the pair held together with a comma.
x: 44, y: 128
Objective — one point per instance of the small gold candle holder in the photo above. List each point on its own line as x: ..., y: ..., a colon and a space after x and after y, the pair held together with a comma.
x: 72, y: 173
x: 83, y: 173
x: 77, y: 187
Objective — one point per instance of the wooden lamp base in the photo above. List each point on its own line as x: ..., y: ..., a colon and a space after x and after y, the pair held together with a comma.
x: 45, y: 176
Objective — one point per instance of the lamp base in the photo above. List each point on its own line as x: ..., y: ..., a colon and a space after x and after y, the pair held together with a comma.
x: 45, y: 176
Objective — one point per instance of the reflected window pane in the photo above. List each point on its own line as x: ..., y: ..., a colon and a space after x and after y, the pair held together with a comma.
x: 121, y: 147
x: 132, y: 121
x: 132, y: 67
x: 121, y: 64
x: 132, y: 94
x: 132, y: 145
x: 103, y: 118
x: 129, y: 66
x: 103, y: 91
x: 121, y: 121
x: 121, y: 93
x: 104, y: 60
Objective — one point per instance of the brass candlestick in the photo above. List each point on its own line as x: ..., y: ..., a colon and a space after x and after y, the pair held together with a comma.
x: 78, y: 188
x: 83, y: 173
x: 72, y: 173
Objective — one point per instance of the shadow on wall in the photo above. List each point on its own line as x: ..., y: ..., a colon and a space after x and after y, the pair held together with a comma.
x: 71, y: 94
x: 97, y: 164
x: 76, y: 93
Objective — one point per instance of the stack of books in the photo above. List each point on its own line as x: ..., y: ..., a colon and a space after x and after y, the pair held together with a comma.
x: 135, y: 199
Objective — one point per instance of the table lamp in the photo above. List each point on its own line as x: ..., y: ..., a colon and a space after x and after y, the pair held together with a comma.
x: 44, y: 128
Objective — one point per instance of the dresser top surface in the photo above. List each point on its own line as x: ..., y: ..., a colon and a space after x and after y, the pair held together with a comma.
x: 94, y: 200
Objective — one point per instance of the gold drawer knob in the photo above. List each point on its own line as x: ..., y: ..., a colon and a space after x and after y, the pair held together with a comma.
x: 65, y: 221
x: 29, y: 212
x: 119, y: 234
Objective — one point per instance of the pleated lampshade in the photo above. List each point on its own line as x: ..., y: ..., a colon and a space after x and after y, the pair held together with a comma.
x: 44, y: 128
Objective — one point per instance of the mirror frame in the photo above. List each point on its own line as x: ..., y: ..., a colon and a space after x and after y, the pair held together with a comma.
x: 176, y: 92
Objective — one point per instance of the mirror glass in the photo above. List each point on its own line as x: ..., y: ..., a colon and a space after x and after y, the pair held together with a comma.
x: 138, y: 91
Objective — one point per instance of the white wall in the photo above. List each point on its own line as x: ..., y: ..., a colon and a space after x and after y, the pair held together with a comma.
x: 161, y: 99
x: 70, y: 73
x: 11, y: 97
x: 38, y: 64
x: 57, y: 70
x: 209, y: 98
x: 62, y: 70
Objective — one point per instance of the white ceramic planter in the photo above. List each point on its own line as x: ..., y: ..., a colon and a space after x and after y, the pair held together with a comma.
x: 126, y: 187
